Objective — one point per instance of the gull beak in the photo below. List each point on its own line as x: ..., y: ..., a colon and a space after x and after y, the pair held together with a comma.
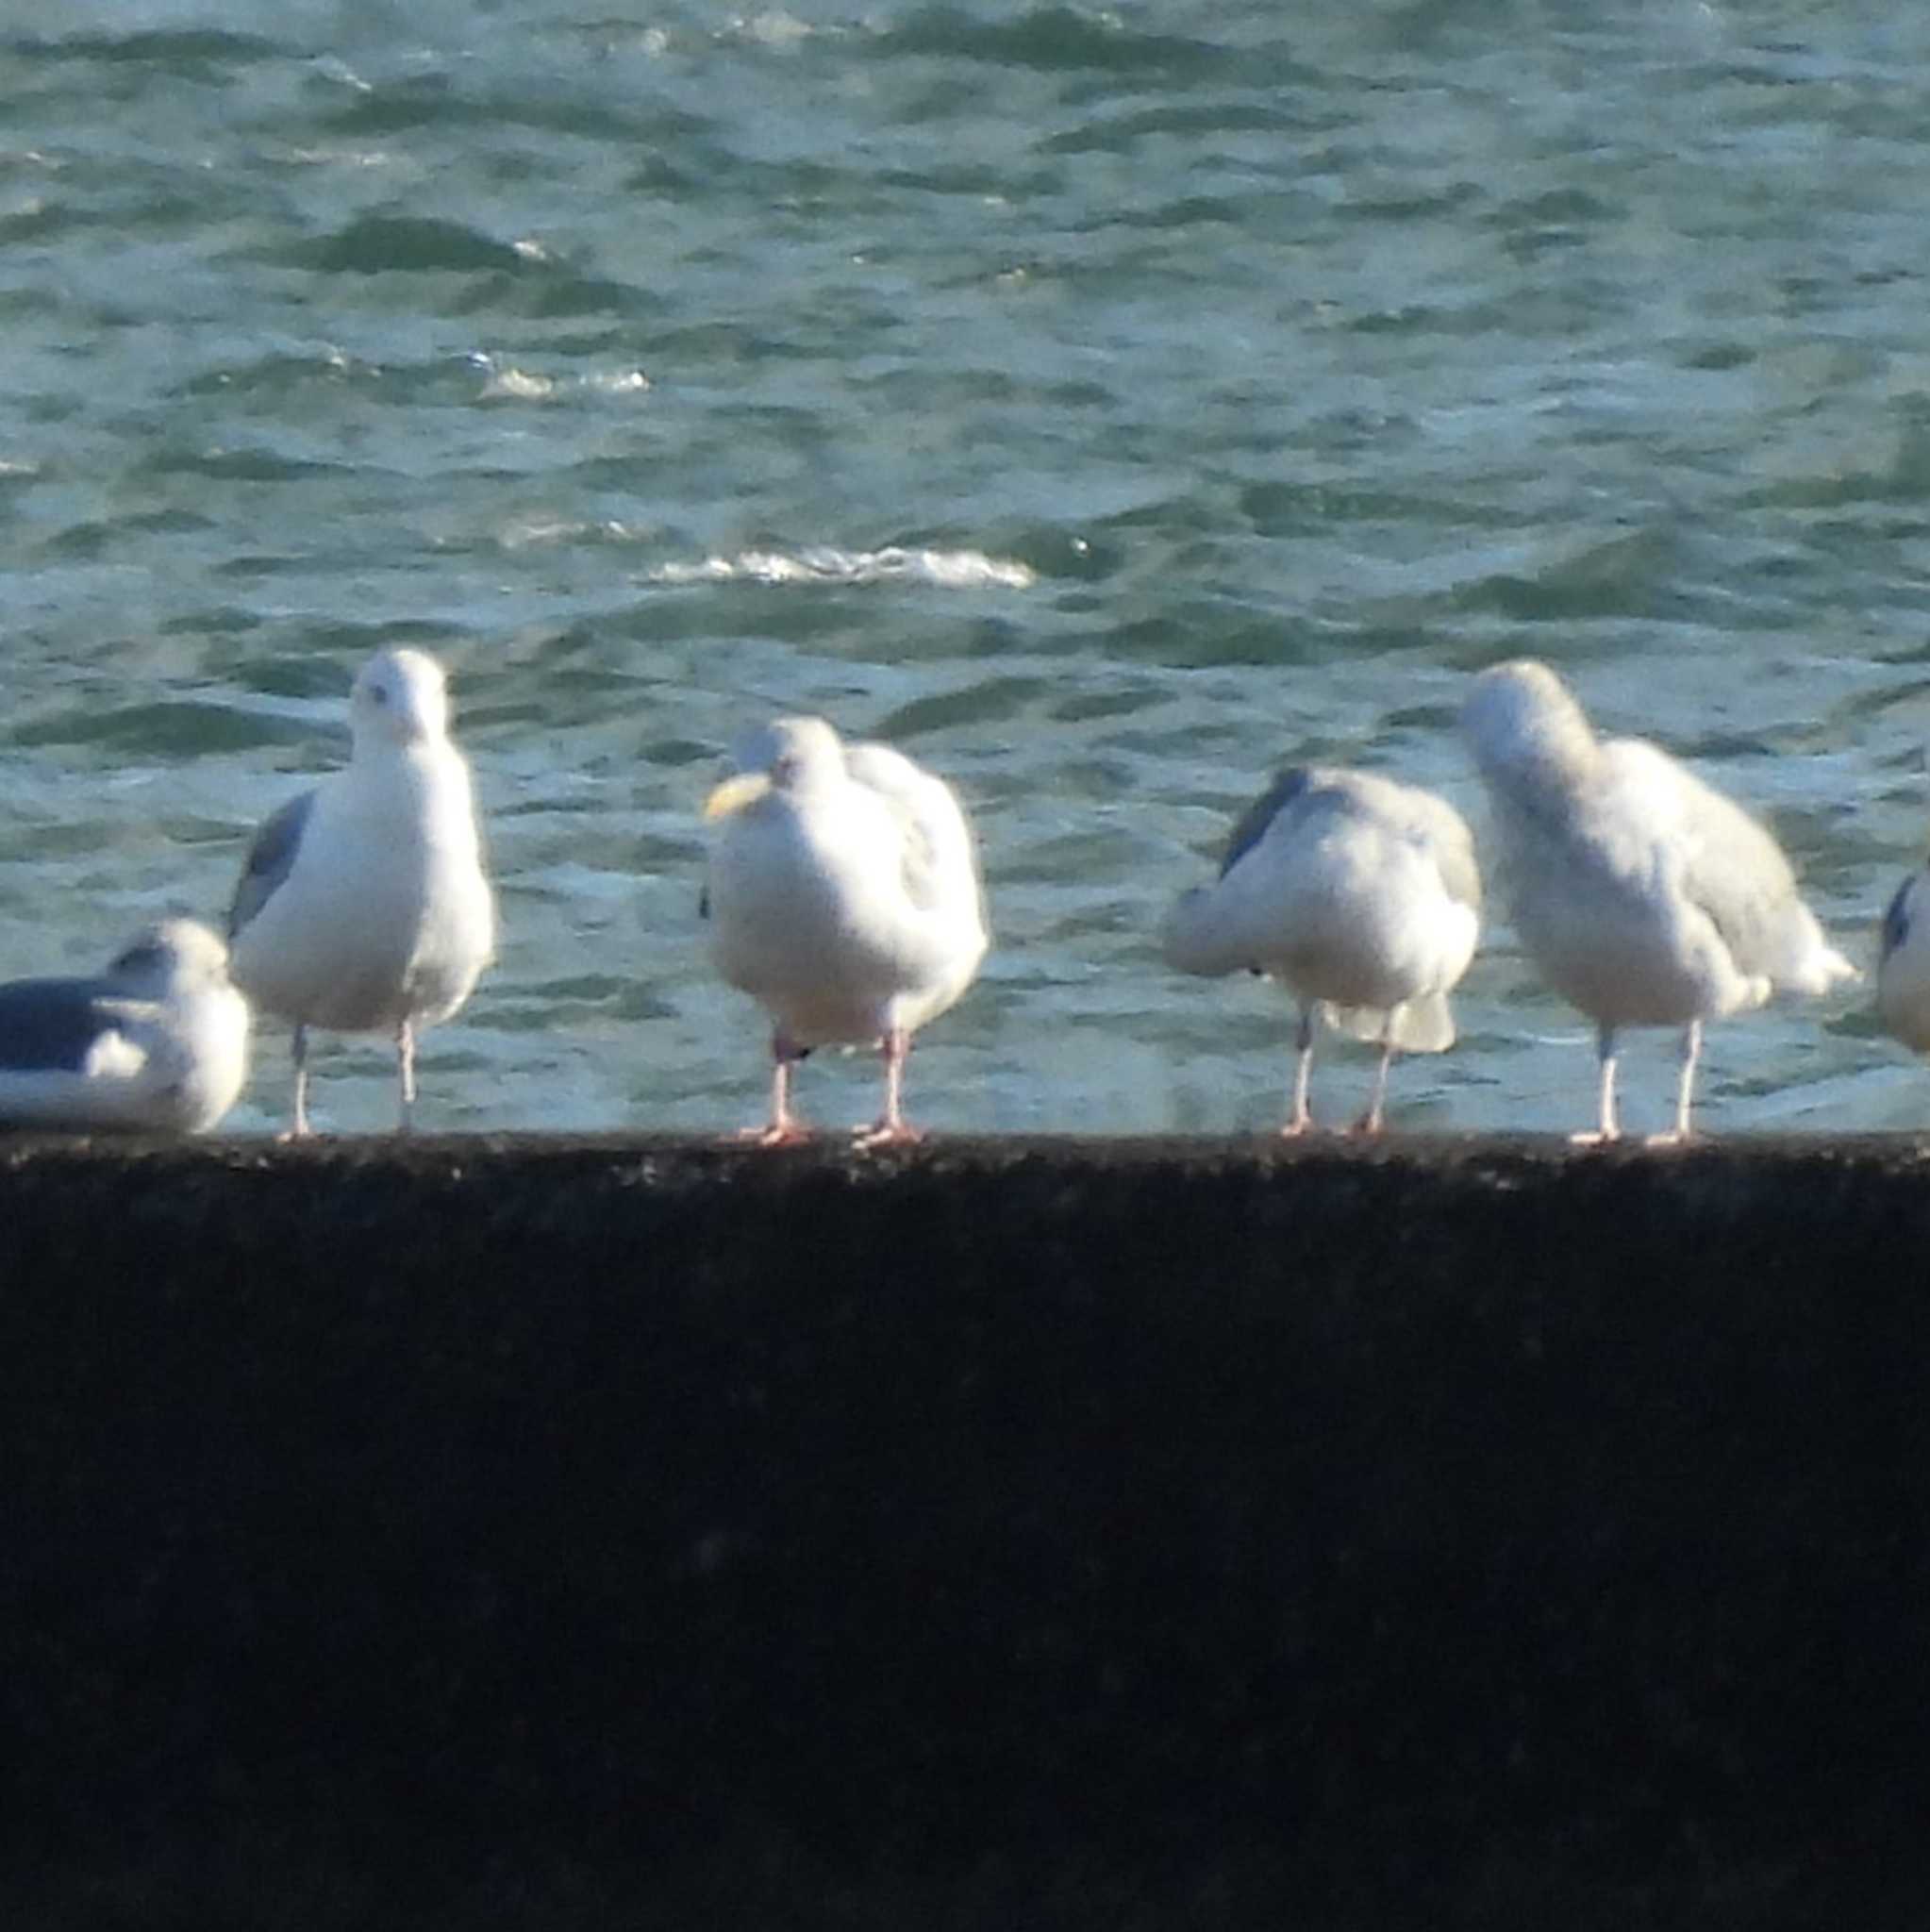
x: 735, y: 793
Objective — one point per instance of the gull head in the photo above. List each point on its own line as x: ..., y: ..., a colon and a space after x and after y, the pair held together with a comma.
x: 399, y: 697
x: 788, y: 755
x: 1520, y: 716
x: 168, y: 957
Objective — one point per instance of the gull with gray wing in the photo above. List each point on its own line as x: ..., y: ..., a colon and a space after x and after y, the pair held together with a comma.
x: 1357, y: 893
x: 1644, y: 896
x: 363, y: 905
x: 157, y: 1043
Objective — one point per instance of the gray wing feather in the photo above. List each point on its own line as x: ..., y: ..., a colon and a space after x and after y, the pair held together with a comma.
x: 1733, y: 869
x: 1896, y: 921
x: 51, y: 1025
x: 1261, y: 814
x: 1415, y: 813
x: 270, y: 859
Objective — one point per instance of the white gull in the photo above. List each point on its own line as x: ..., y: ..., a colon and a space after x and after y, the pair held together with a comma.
x: 1643, y: 896
x: 1360, y: 895
x: 157, y: 1043
x: 844, y: 896
x: 363, y: 905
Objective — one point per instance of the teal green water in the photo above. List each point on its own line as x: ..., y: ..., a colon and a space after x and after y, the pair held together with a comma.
x: 1108, y: 405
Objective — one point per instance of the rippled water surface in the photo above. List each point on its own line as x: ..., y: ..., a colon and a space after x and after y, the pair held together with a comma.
x: 1108, y: 405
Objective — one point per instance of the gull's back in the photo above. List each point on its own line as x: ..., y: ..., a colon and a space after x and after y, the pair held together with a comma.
x: 941, y: 864
x: 1728, y: 866
x: 53, y: 1024
x: 939, y: 873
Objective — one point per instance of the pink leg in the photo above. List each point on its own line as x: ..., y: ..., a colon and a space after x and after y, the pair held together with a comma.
x: 1609, y: 1128
x: 299, y: 1130
x: 785, y: 1130
x: 1685, y: 1092
x: 1374, y: 1118
x: 405, y: 1060
x: 893, y: 1129
x: 1301, y: 1119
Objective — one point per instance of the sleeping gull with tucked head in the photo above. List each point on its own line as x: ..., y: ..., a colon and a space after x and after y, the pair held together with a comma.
x: 1360, y: 895
x: 363, y: 905
x: 844, y: 897
x: 1643, y: 896
x: 157, y: 1043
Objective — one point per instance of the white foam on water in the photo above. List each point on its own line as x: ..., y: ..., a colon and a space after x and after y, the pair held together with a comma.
x: 508, y: 382
x: 950, y: 569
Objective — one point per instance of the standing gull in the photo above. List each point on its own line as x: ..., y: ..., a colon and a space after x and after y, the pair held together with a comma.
x: 160, y: 1042
x: 363, y: 905
x: 1359, y: 895
x: 1643, y: 896
x: 844, y: 897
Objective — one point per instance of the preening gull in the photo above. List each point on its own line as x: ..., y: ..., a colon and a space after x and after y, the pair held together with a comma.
x: 1643, y: 896
x: 363, y: 905
x: 1360, y: 895
x: 844, y: 896
x: 160, y: 1042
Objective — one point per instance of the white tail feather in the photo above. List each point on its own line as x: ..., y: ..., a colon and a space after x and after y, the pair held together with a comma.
x: 1426, y: 1025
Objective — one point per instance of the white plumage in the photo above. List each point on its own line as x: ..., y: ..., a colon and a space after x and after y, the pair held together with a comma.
x: 844, y: 896
x: 1360, y: 895
x: 157, y: 1043
x: 1643, y: 896
x: 363, y: 905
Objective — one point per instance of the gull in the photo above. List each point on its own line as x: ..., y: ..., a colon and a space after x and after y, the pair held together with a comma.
x: 844, y: 897
x: 1643, y: 896
x: 1902, y: 971
x: 363, y: 905
x: 1360, y: 895
x: 158, y: 1041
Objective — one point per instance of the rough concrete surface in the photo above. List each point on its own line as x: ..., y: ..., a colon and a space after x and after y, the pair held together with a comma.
x: 1143, y: 1533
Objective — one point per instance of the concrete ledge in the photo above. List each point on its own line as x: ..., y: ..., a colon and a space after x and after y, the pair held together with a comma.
x: 1436, y: 1524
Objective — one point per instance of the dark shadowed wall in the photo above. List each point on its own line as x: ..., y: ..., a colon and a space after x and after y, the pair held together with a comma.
x: 1370, y: 1514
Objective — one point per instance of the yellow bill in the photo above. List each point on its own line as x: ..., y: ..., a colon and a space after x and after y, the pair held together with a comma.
x: 735, y: 793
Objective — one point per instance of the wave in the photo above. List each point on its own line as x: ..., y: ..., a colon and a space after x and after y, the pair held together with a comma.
x: 948, y: 569
x: 508, y: 382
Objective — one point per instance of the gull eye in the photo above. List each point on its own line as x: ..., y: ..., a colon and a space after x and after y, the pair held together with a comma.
x: 380, y: 692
